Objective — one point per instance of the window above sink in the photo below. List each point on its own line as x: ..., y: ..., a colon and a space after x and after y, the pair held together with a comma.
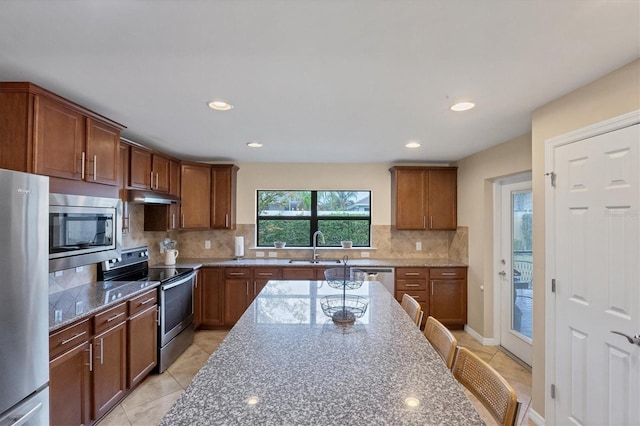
x: 294, y: 216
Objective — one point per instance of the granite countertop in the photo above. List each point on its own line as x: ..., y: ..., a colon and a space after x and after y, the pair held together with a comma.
x: 395, y: 263
x: 285, y: 362
x: 68, y: 306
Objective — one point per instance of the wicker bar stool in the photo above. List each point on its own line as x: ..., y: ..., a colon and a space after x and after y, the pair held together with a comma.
x: 493, y: 391
x: 441, y: 339
x: 412, y: 307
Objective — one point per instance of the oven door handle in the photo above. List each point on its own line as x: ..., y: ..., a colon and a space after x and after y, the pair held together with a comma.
x: 179, y: 282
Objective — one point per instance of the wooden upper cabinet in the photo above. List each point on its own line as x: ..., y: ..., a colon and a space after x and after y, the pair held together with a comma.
x: 195, y: 209
x: 424, y: 198
x: 223, y: 196
x: 140, y: 169
x: 59, y: 140
x: 443, y: 198
x: 103, y: 152
x: 174, y: 177
x: 160, y: 170
x: 46, y: 134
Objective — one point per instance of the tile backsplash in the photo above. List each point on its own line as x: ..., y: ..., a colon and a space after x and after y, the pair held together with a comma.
x: 387, y: 244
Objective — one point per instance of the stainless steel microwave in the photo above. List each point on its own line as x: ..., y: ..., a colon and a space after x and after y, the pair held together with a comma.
x: 83, y: 230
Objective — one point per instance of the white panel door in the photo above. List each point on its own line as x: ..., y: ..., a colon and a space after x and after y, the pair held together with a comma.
x: 597, y: 246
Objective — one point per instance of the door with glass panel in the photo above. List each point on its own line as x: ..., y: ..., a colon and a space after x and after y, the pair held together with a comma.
x: 516, y: 269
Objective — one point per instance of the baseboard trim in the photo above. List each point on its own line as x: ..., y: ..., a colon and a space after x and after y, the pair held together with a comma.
x: 536, y: 418
x: 486, y: 341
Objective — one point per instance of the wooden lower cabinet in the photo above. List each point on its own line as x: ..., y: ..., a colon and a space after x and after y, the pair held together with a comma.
x: 69, y: 386
x: 142, y: 344
x: 109, y: 369
x: 448, y: 301
x: 236, y: 294
x: 261, y: 277
x: 212, y: 293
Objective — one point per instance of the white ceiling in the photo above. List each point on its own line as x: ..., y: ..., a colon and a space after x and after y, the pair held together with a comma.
x: 316, y: 80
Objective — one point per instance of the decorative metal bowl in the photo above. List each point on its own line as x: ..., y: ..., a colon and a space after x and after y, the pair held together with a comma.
x: 344, y: 278
x: 344, y: 309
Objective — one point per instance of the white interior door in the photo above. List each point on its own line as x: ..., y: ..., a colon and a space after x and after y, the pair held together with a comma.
x: 516, y: 269
x: 596, y: 222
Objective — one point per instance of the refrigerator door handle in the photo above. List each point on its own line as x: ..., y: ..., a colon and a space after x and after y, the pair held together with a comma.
x: 23, y: 419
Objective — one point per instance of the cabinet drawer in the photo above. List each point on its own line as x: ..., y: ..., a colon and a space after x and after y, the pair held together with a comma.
x: 412, y: 273
x: 411, y: 285
x: 267, y: 273
x: 447, y: 273
x: 143, y: 301
x: 299, y: 274
x: 109, y: 318
x: 237, y: 273
x: 421, y: 296
x: 68, y: 338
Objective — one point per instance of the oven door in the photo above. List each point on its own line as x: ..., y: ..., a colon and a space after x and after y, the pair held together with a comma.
x: 176, y: 307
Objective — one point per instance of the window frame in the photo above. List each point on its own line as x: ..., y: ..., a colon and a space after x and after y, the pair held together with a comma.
x: 313, y: 219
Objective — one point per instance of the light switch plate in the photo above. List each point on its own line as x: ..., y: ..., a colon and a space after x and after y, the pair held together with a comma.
x: 364, y: 254
x: 207, y: 244
x: 419, y: 245
x: 259, y: 254
x: 273, y: 254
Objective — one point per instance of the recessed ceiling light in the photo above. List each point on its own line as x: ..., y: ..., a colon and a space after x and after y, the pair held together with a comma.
x: 254, y: 144
x: 413, y: 145
x: 412, y: 402
x: 252, y: 400
x: 220, y: 105
x: 462, y: 106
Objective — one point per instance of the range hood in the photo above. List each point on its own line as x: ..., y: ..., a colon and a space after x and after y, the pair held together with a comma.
x: 151, y: 197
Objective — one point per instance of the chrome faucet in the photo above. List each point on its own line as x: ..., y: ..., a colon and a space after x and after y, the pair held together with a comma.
x: 315, y: 243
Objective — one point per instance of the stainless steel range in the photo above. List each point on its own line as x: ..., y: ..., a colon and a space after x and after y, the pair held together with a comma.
x: 175, y: 293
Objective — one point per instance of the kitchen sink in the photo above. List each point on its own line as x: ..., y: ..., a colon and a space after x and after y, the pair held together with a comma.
x: 316, y: 261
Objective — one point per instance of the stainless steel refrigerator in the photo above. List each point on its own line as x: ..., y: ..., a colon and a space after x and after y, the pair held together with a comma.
x: 24, y: 299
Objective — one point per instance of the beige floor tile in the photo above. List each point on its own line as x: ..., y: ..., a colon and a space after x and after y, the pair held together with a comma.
x: 188, y: 364
x: 209, y: 340
x: 510, y: 370
x: 155, y: 386
x: 152, y: 412
x: 117, y: 417
x: 466, y: 340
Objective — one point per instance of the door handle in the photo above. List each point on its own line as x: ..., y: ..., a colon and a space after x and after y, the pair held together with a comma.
x: 635, y: 340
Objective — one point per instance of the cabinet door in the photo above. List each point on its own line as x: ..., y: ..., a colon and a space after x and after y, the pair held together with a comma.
x: 236, y: 296
x: 142, y: 345
x: 213, y: 293
x: 103, y: 153
x: 109, y: 369
x: 174, y: 177
x: 443, y: 213
x: 299, y: 274
x: 59, y: 140
x: 223, y: 198
x: 69, y: 382
x: 140, y: 169
x: 261, y: 277
x: 160, y: 167
x: 195, y: 192
x: 448, y: 303
x: 409, y: 199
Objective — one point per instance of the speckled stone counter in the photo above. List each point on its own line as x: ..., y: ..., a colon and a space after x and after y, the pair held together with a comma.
x: 394, y: 263
x: 83, y: 301
x: 286, y: 363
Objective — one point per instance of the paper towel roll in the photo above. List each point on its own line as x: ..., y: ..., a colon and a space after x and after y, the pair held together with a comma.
x: 239, y: 246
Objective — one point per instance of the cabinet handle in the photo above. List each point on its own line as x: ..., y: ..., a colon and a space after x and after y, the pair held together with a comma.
x: 182, y: 220
x: 265, y: 274
x: 157, y: 181
x: 416, y: 297
x: 101, y: 351
x: 412, y: 285
x: 115, y: 316
x: 247, y: 287
x: 70, y: 339
x: 431, y: 287
x: 95, y: 166
x: 448, y: 274
x: 173, y: 221
x: 430, y: 222
x: 90, y: 357
x: 226, y: 220
x: 254, y: 287
x: 411, y: 274
x: 82, y: 166
x: 236, y: 273
x: 158, y: 316
x: 151, y: 299
x: 151, y: 179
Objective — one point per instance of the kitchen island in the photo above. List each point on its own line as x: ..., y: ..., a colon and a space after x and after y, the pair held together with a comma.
x: 285, y: 362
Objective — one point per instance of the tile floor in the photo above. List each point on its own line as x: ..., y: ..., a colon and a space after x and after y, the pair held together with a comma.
x: 148, y: 403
